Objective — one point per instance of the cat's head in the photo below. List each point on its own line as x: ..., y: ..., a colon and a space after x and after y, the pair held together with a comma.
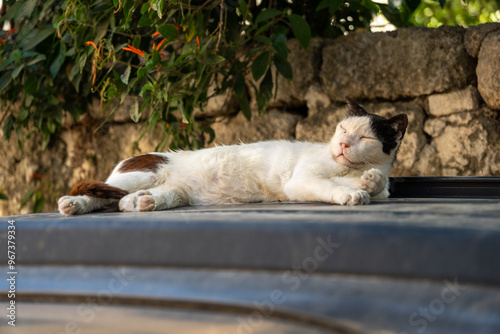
x: 365, y: 140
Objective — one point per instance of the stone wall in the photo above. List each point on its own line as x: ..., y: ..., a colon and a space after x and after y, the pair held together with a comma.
x: 446, y: 80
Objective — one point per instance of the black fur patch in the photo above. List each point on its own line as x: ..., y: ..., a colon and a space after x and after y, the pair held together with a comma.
x: 385, y: 133
x: 388, y: 131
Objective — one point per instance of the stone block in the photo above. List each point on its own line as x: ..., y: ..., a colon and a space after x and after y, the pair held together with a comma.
x: 488, y: 70
x: 306, y: 65
x: 316, y: 100
x: 405, y: 63
x: 474, y: 37
x: 218, y: 105
x: 434, y: 127
x: 273, y: 124
x: 469, y: 145
x: 453, y: 102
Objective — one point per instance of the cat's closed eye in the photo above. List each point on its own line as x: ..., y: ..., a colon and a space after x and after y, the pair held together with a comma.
x: 368, y: 137
x: 342, y: 128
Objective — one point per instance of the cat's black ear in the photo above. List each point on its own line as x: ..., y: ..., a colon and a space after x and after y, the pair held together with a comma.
x: 354, y: 109
x: 399, y: 123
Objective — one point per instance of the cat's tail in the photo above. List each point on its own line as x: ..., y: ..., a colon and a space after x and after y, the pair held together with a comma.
x: 97, y: 189
x: 89, y: 196
x: 132, y: 174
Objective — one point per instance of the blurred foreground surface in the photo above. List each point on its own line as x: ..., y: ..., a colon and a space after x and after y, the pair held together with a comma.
x: 396, y: 266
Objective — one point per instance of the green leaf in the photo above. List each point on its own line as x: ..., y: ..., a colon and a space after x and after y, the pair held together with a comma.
x: 144, y: 21
x: 17, y: 70
x: 142, y: 71
x: 191, y: 29
x: 333, y: 5
x: 37, y: 59
x: 145, y: 104
x: 8, y: 126
x: 31, y: 84
x: 128, y: 8
x: 135, y: 114
x: 71, y: 52
x: 6, y: 63
x: 13, y: 11
x: 157, y: 6
x: 275, y: 38
x: 145, y: 8
x: 260, y: 65
x: 169, y: 32
x: 281, y: 50
x: 3, y: 197
x: 126, y: 75
x: 45, y: 140
x: 19, y: 10
x: 5, y: 80
x: 36, y: 36
x: 263, y: 39
x: 74, y: 72
x: 59, y: 60
x: 266, y: 15
x: 23, y: 114
x: 243, y: 7
x: 51, y: 125
x: 265, y: 91
x: 156, y: 58
x: 147, y: 87
x: 280, y: 30
x: 300, y: 29
x: 393, y: 15
x: 284, y: 68
x: 26, y: 198
x: 215, y: 59
x: 39, y: 200
x: 240, y: 91
x: 28, y: 100
x: 412, y: 4
x: 371, y: 6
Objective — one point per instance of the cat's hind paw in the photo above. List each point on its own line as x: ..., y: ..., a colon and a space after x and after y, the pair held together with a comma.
x: 373, y: 181
x: 139, y: 201
x: 71, y: 205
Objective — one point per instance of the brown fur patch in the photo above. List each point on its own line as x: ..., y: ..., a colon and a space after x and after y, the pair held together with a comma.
x: 97, y: 189
x: 145, y: 162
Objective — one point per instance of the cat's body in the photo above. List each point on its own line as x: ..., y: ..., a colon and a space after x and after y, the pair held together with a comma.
x: 350, y: 169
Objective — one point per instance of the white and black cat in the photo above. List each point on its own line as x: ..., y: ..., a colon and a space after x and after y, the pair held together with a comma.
x: 352, y: 168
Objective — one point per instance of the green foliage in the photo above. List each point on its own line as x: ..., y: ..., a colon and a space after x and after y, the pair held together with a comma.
x: 167, y: 52
x: 63, y: 53
x: 3, y: 197
x: 36, y: 194
x: 463, y: 13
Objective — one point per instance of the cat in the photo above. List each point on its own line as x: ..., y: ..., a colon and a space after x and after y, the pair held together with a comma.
x: 349, y: 170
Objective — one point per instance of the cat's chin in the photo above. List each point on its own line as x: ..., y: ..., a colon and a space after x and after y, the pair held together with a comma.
x: 341, y: 159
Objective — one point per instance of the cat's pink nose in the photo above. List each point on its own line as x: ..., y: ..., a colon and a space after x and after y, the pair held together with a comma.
x: 343, y: 146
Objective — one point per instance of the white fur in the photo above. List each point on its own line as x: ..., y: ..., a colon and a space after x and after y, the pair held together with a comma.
x: 350, y: 169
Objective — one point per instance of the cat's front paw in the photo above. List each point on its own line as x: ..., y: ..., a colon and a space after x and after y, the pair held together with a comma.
x: 373, y: 181
x: 71, y: 205
x: 138, y: 201
x: 354, y: 197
